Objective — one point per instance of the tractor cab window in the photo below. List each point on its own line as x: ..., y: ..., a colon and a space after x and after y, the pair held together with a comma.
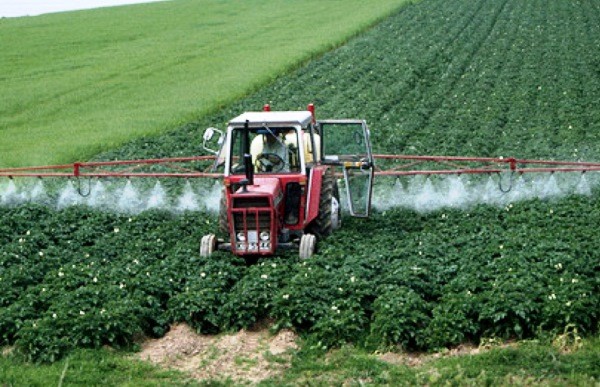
x: 273, y: 150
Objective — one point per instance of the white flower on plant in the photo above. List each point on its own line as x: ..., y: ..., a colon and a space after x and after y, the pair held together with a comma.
x: 334, y: 307
x: 558, y: 266
x: 61, y: 274
x: 28, y: 232
x: 53, y: 315
x: 43, y: 289
x: 116, y: 229
x: 95, y: 279
x: 121, y: 286
x: 286, y: 296
x: 264, y: 276
x: 148, y: 274
x: 352, y: 279
x: 273, y: 265
x: 87, y: 255
x: 203, y: 274
x: 340, y: 290
x: 103, y: 311
x: 41, y: 253
x: 552, y: 296
x: 81, y: 313
x: 574, y: 280
x: 568, y: 303
x: 136, y: 261
x: 21, y: 240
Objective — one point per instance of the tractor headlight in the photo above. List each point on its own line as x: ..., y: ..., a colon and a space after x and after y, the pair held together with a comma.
x: 264, y: 236
x: 241, y: 237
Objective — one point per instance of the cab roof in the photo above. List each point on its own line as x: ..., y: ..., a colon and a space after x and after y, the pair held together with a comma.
x: 277, y: 118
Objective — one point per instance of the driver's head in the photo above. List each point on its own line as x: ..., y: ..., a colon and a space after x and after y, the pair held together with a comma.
x: 272, y: 138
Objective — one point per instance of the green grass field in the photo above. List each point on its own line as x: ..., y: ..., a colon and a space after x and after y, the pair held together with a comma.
x: 76, y: 83
x: 531, y: 363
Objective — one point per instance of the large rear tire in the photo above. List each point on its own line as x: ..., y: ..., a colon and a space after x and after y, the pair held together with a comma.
x: 329, y: 217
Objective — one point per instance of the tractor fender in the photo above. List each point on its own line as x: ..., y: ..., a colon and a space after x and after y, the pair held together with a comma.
x: 314, y: 192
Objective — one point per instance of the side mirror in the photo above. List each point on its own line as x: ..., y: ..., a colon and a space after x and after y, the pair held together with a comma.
x: 208, y: 134
x: 208, y: 140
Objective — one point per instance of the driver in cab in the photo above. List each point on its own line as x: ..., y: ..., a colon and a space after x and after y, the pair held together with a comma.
x: 269, y: 152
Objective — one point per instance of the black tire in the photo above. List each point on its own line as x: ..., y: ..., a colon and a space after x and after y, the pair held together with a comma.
x: 223, y: 221
x: 322, y: 226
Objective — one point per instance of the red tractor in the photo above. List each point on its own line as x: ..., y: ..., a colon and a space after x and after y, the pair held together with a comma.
x: 280, y: 189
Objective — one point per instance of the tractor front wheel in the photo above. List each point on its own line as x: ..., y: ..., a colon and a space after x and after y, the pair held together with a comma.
x: 308, y: 244
x: 208, y: 245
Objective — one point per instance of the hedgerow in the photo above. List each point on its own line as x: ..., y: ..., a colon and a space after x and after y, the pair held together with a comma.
x: 439, y: 77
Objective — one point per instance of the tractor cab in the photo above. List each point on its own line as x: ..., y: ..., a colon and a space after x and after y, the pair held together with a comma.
x: 280, y: 180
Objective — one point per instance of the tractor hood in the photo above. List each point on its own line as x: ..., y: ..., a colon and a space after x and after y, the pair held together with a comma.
x: 263, y: 186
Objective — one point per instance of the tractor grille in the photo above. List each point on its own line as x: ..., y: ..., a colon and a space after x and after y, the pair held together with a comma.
x: 251, y: 202
x: 253, y: 233
x: 254, y: 220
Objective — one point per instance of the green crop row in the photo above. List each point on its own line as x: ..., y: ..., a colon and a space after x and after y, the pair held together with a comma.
x: 79, y: 278
x: 481, y: 78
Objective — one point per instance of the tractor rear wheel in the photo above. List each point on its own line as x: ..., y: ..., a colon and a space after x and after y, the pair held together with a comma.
x: 208, y: 245
x: 329, y: 218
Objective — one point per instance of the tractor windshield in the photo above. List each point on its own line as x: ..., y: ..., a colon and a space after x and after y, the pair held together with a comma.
x: 273, y: 150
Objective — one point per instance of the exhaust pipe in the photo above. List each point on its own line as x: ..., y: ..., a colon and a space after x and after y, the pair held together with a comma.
x: 248, y: 167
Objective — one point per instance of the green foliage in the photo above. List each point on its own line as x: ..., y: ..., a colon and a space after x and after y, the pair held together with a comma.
x: 252, y: 297
x: 400, y: 318
x: 202, y: 300
x: 528, y: 363
x: 88, y: 368
x: 78, y: 278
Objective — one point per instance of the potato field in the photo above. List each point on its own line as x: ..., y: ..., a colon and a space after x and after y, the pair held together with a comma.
x: 451, y: 77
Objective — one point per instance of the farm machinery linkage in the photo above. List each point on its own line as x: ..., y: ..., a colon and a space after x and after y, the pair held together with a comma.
x: 280, y: 173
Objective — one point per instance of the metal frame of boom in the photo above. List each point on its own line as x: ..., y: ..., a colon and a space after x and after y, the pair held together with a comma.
x: 393, y: 165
